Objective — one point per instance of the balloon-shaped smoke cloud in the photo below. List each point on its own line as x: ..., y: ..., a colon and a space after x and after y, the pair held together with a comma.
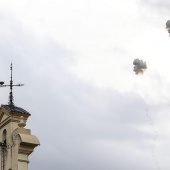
x: 139, y: 66
x: 168, y: 26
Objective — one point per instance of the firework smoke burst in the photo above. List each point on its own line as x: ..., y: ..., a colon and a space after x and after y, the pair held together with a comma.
x: 139, y: 66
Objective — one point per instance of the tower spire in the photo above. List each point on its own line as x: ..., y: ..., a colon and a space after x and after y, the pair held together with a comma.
x: 11, y: 85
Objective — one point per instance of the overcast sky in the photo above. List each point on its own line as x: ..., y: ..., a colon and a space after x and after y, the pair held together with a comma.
x: 88, y: 108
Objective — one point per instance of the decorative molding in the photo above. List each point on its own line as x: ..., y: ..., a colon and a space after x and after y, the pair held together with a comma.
x: 20, y: 160
x: 14, y: 136
x: 2, y: 114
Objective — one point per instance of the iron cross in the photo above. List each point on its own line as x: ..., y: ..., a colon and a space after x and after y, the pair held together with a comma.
x: 11, y: 85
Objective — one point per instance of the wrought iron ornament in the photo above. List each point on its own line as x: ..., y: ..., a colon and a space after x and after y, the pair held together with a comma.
x: 3, y: 150
x: 11, y: 85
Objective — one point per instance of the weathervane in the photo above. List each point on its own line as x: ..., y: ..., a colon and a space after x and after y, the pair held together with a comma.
x: 11, y: 85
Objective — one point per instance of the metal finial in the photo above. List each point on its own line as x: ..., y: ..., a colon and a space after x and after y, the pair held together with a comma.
x: 11, y: 98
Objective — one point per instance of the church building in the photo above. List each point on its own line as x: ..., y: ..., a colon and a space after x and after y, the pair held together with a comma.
x: 16, y: 142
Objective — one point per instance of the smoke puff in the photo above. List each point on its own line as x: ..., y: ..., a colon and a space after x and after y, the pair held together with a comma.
x: 139, y: 66
x: 168, y: 26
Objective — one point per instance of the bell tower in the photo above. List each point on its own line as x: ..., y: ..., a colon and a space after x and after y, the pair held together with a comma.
x: 16, y: 142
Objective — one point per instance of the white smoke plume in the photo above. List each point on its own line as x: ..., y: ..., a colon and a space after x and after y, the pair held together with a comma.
x: 155, y: 133
x: 139, y: 66
x: 168, y: 26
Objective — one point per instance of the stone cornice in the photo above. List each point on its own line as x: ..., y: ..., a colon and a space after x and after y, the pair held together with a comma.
x: 20, y: 160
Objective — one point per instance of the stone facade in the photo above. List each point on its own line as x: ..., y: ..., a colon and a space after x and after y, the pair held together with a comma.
x: 16, y: 141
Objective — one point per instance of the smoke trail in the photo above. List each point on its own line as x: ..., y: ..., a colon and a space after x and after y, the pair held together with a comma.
x: 154, y: 138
